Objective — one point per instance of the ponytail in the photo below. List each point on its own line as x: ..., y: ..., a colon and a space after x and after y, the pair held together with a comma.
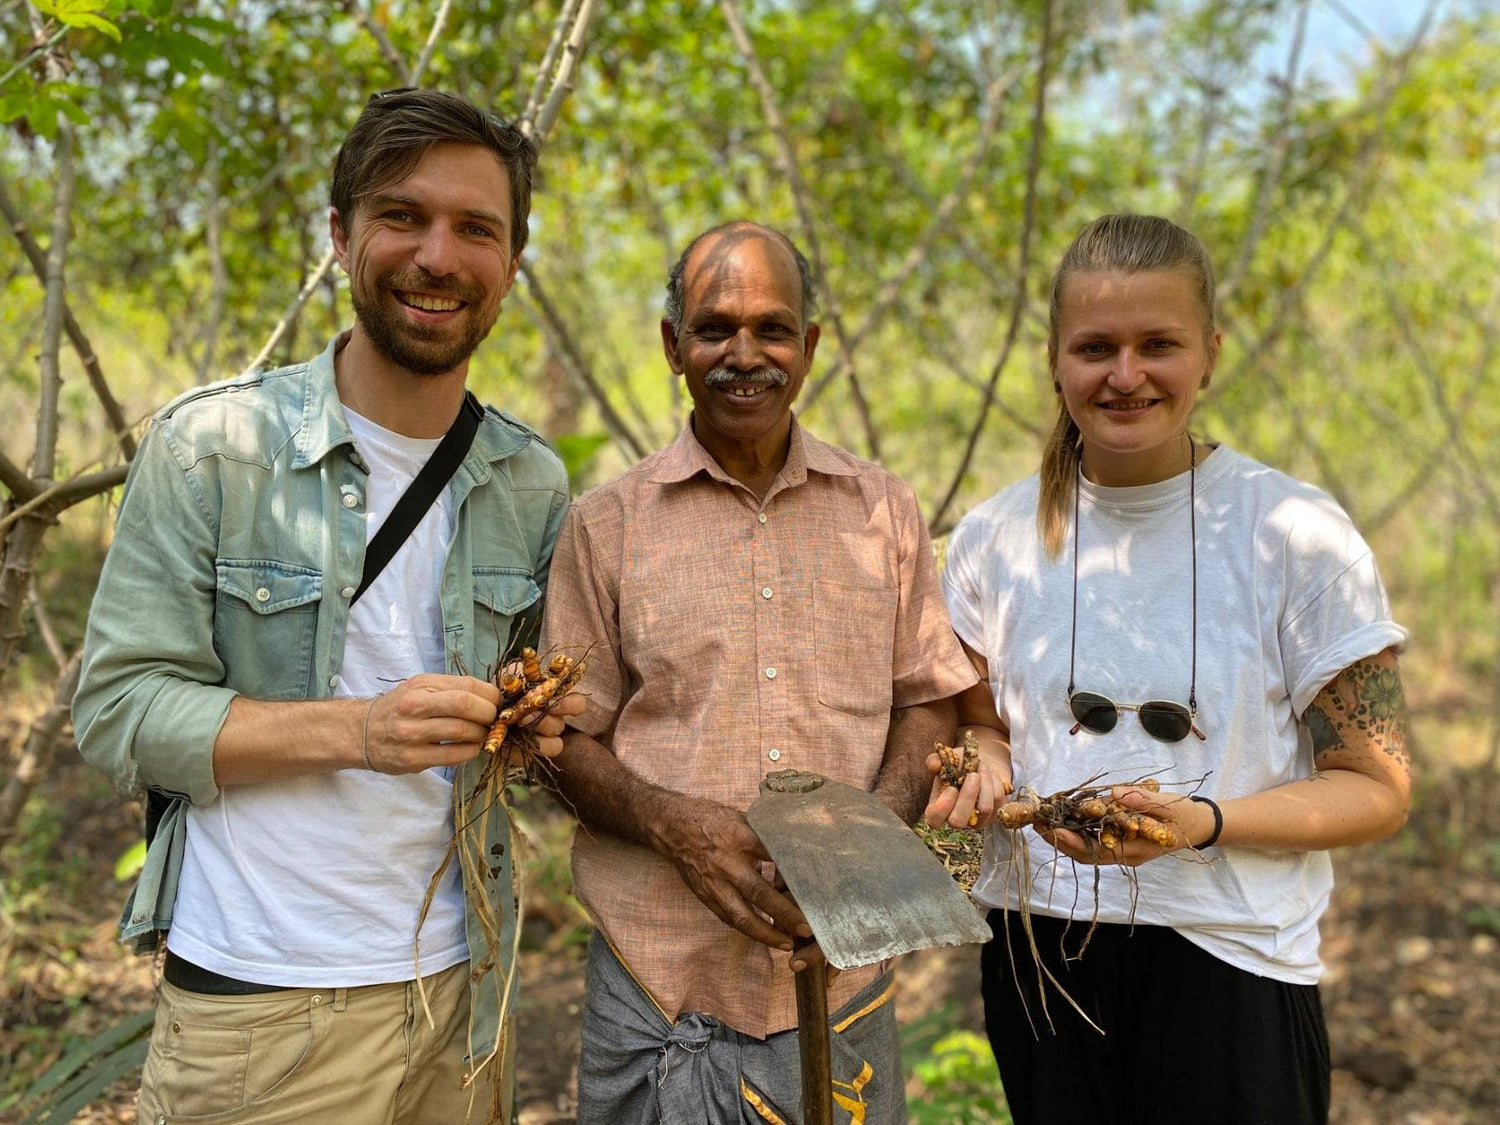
x: 1059, y: 477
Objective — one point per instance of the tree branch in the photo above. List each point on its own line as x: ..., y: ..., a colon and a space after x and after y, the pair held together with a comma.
x: 293, y: 310
x: 1213, y: 96
x: 44, y: 459
x: 382, y: 41
x: 791, y: 169
x: 213, y: 225
x: 1458, y: 441
x: 1275, y: 160
x: 80, y: 342
x: 439, y: 21
x: 1023, y: 266
x: 43, y: 621
x: 14, y: 478
x: 562, y: 82
x: 64, y: 494
x: 36, y: 754
x: 547, y: 66
x: 310, y: 286
x: 942, y: 214
x: 566, y: 347
x: 1364, y: 164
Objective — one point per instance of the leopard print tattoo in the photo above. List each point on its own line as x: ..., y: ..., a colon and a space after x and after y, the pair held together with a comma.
x: 1363, y: 707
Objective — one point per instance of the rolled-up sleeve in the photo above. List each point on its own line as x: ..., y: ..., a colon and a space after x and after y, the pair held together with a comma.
x: 581, y: 620
x: 928, y: 663
x: 150, y: 700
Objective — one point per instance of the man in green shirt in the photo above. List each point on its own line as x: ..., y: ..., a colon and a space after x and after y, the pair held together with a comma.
x: 306, y: 727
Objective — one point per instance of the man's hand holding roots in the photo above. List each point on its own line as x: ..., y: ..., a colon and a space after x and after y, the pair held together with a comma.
x: 434, y: 720
x: 968, y: 782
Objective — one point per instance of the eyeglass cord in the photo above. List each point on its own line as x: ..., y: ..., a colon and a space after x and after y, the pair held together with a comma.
x: 1193, y: 532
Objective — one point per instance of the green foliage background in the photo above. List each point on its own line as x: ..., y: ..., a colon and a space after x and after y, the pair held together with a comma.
x: 1360, y: 323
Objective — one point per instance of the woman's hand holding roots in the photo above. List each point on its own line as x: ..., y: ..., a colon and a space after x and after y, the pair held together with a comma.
x: 1124, y: 824
x: 967, y: 788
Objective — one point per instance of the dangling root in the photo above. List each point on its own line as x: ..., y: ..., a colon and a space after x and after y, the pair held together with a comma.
x: 526, y: 690
x: 1091, y: 811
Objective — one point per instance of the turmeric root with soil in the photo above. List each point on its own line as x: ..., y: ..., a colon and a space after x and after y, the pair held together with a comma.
x: 1090, y: 811
x: 957, y: 763
x: 532, y: 691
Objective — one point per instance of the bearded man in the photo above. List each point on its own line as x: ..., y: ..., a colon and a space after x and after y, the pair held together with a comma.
x: 289, y: 686
x: 752, y: 600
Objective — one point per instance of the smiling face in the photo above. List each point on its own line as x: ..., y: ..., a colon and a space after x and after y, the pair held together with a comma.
x: 1132, y: 355
x: 743, y: 349
x: 429, y: 259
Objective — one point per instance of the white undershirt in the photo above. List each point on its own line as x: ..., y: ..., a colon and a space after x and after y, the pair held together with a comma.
x: 319, y: 880
x: 1288, y: 596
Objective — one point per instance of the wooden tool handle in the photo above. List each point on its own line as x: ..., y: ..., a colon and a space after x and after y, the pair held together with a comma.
x: 812, y: 1043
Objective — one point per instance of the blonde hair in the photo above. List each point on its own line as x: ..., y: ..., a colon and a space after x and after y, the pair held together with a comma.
x: 1109, y: 244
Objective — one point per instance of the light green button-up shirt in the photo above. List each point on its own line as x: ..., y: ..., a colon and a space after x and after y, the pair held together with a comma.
x: 228, y: 574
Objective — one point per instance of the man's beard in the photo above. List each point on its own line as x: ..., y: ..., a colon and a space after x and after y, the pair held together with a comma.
x: 408, y: 345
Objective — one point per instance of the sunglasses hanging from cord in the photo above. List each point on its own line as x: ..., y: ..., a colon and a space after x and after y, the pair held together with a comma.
x: 1160, y: 718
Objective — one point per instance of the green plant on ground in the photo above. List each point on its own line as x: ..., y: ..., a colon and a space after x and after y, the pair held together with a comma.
x: 961, y: 1085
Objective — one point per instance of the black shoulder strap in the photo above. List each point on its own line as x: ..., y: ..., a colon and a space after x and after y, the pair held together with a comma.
x: 423, y: 490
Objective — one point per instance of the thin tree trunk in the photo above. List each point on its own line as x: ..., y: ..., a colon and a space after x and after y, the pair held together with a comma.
x: 38, y: 750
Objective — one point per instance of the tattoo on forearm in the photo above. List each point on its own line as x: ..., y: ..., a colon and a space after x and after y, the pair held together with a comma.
x: 1363, y: 706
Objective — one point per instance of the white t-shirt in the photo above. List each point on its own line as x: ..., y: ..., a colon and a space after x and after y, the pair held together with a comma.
x: 1288, y: 596
x: 318, y: 880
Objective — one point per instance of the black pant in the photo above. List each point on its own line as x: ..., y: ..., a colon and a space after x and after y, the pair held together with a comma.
x: 1187, y: 1038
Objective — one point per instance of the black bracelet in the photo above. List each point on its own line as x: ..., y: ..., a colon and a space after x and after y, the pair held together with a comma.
x: 1218, y: 821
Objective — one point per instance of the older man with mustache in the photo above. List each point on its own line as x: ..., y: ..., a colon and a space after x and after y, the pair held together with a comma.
x: 753, y: 599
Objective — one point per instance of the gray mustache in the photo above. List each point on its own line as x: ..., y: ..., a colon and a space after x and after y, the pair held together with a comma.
x: 760, y: 377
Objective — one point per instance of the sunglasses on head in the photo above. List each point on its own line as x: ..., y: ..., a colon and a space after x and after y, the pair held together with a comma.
x: 1160, y: 718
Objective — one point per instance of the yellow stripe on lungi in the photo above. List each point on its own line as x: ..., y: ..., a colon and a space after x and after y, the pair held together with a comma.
x: 759, y: 1105
x: 868, y: 1008
x: 856, y: 1104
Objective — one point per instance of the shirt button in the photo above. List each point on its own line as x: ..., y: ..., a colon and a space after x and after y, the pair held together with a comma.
x: 774, y: 754
x: 333, y: 681
x: 761, y: 517
x: 262, y: 594
x: 770, y: 673
x: 766, y: 593
x: 347, y: 591
x: 350, y: 500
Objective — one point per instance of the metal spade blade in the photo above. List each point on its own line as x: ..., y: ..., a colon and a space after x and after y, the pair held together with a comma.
x: 867, y: 886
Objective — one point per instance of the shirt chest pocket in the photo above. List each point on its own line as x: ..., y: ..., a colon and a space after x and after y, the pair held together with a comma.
x: 854, y: 634
x: 266, y: 626
x: 502, y: 623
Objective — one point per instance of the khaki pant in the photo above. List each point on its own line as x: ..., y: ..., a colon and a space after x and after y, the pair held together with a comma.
x: 339, y: 1056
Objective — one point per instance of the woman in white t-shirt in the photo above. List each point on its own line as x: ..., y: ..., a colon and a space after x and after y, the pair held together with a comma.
x: 1151, y: 606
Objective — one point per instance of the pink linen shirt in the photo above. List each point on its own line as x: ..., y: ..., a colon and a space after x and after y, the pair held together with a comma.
x: 730, y: 637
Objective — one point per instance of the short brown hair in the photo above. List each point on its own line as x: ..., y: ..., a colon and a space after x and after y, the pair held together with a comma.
x: 397, y: 128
